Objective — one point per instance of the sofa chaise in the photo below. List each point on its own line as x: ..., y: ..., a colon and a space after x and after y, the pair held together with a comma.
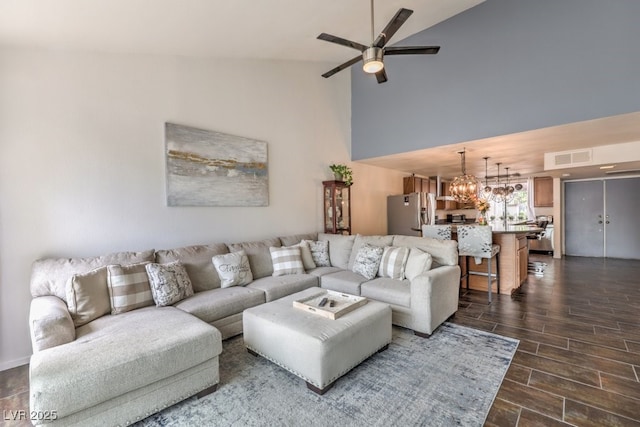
x: 98, y: 364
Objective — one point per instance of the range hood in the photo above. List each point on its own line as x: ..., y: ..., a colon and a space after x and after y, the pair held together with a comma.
x: 439, y: 195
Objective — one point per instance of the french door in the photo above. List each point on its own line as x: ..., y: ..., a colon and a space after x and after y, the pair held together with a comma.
x: 599, y: 218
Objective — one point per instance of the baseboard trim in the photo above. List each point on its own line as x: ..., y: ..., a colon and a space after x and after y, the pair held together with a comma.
x: 14, y: 363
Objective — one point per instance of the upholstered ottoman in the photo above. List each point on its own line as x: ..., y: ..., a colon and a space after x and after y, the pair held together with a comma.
x: 317, y: 349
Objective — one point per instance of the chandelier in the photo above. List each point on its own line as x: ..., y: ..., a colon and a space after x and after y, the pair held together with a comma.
x: 501, y: 192
x: 464, y: 188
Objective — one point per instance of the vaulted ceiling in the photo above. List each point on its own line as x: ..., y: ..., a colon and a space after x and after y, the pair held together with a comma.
x: 287, y: 30
x: 274, y: 29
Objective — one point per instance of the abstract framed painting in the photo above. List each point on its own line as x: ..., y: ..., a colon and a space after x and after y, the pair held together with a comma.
x: 208, y: 168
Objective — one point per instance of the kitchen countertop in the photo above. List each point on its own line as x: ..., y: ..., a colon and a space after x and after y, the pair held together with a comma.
x: 515, y: 229
x: 499, y: 228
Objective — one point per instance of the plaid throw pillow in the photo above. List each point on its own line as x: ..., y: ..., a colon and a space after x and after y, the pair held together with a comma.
x: 286, y: 260
x: 394, y: 260
x: 128, y: 287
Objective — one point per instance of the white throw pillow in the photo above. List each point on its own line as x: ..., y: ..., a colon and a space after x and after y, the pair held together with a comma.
x: 307, y: 258
x: 233, y: 269
x: 319, y: 252
x: 286, y: 260
x: 367, y: 260
x: 417, y: 263
x: 88, y: 296
x: 393, y: 263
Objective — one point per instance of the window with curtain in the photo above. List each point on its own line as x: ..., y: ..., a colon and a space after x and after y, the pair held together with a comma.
x: 517, y: 208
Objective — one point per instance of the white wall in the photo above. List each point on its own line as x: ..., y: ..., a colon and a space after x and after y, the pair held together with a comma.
x: 82, y: 158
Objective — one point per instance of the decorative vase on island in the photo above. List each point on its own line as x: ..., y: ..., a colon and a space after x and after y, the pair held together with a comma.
x: 482, y: 219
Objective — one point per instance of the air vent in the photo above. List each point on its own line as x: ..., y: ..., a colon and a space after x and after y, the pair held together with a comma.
x: 581, y: 157
x: 562, y: 159
x: 567, y: 159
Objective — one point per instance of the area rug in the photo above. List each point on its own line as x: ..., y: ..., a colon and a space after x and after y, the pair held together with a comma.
x: 449, y: 379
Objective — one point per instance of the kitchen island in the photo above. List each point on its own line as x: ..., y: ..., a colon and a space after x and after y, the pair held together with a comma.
x: 514, y: 258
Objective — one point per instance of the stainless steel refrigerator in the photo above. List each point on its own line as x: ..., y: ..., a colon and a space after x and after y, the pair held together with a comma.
x: 407, y: 212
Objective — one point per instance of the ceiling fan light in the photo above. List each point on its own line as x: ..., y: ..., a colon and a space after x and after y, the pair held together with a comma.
x: 372, y: 60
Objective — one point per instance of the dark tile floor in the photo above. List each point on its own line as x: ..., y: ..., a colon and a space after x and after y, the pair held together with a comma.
x: 578, y: 362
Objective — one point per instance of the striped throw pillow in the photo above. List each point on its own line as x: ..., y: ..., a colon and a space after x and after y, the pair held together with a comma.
x: 394, y: 260
x: 286, y: 260
x: 128, y: 287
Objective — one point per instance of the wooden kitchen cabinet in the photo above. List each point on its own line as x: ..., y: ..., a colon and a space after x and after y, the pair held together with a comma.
x: 411, y: 184
x: 416, y: 184
x: 523, y: 259
x: 543, y: 192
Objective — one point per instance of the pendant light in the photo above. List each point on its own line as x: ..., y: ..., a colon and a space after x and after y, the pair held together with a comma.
x: 464, y: 188
x: 503, y: 193
x: 486, y: 191
x: 497, y: 190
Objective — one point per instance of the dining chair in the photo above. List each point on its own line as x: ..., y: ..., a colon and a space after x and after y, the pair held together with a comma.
x: 440, y: 232
x: 476, y: 241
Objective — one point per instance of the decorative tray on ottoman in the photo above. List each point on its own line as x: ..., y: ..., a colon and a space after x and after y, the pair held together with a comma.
x: 342, y: 303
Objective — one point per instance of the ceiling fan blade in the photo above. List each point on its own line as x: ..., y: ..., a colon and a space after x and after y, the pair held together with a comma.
x: 393, y: 26
x: 343, y: 42
x: 411, y: 50
x: 381, y: 76
x: 342, y: 66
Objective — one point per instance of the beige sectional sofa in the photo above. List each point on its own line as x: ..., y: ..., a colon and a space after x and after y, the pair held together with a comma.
x: 119, y: 368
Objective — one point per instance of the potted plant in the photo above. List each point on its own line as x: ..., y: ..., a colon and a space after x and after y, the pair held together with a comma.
x: 342, y: 173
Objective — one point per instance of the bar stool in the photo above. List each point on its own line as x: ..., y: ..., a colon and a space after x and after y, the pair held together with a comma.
x: 440, y: 232
x: 476, y: 241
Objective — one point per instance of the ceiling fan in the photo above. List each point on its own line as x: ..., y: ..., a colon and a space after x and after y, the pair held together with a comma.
x: 372, y: 55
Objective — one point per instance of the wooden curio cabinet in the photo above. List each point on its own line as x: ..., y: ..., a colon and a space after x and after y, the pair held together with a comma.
x: 337, y: 207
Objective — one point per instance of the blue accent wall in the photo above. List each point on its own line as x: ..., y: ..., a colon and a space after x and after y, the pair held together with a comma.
x: 504, y: 66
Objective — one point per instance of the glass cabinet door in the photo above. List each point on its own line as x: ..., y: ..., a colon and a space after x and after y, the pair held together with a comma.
x: 337, y: 208
x: 328, y: 209
x: 342, y: 208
